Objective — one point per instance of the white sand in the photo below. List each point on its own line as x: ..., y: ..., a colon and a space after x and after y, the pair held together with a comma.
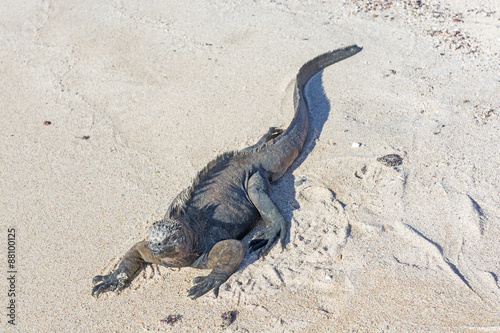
x: 161, y: 90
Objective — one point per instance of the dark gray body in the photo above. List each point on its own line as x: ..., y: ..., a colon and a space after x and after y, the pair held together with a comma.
x: 205, y: 222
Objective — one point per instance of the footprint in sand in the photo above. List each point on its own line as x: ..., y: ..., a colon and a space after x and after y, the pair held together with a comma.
x: 319, y: 230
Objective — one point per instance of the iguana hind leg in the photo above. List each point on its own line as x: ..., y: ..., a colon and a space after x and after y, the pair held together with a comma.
x: 132, y: 261
x: 258, y: 192
x: 271, y: 134
x: 224, y: 258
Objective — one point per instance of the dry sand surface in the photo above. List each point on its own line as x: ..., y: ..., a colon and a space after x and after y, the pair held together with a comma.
x: 109, y: 108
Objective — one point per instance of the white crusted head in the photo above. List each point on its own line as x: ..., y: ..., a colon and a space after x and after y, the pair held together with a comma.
x: 164, y: 235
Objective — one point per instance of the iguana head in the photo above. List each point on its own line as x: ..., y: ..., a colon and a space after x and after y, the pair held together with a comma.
x: 165, y: 237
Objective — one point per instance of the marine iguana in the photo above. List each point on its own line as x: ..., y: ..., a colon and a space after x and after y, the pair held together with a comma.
x: 204, y: 223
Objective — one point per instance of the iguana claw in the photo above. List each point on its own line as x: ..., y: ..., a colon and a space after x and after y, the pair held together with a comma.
x: 256, y: 244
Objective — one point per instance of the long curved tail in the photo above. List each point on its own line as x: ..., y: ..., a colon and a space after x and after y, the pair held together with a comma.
x: 314, y: 66
x: 292, y: 140
x: 306, y: 72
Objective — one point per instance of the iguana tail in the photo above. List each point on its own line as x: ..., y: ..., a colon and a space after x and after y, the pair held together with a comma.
x: 291, y: 141
x: 307, y: 71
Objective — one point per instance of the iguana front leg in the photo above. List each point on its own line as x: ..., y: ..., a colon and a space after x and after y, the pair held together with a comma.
x: 138, y: 254
x: 224, y: 258
x: 258, y: 192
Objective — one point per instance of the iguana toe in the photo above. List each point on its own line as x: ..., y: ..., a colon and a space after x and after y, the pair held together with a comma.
x: 273, y: 133
x: 256, y: 244
x: 99, y: 278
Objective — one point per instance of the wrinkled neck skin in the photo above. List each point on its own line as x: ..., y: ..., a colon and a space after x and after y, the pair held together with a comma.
x: 171, y: 243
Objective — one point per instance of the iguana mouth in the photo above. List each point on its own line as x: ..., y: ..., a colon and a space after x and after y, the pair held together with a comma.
x: 161, y: 251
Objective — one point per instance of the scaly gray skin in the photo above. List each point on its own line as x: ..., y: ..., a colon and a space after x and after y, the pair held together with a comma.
x: 204, y: 223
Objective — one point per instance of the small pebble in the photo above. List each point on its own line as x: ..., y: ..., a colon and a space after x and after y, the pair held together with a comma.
x: 229, y: 317
x: 171, y: 319
x: 391, y: 160
x: 356, y: 144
